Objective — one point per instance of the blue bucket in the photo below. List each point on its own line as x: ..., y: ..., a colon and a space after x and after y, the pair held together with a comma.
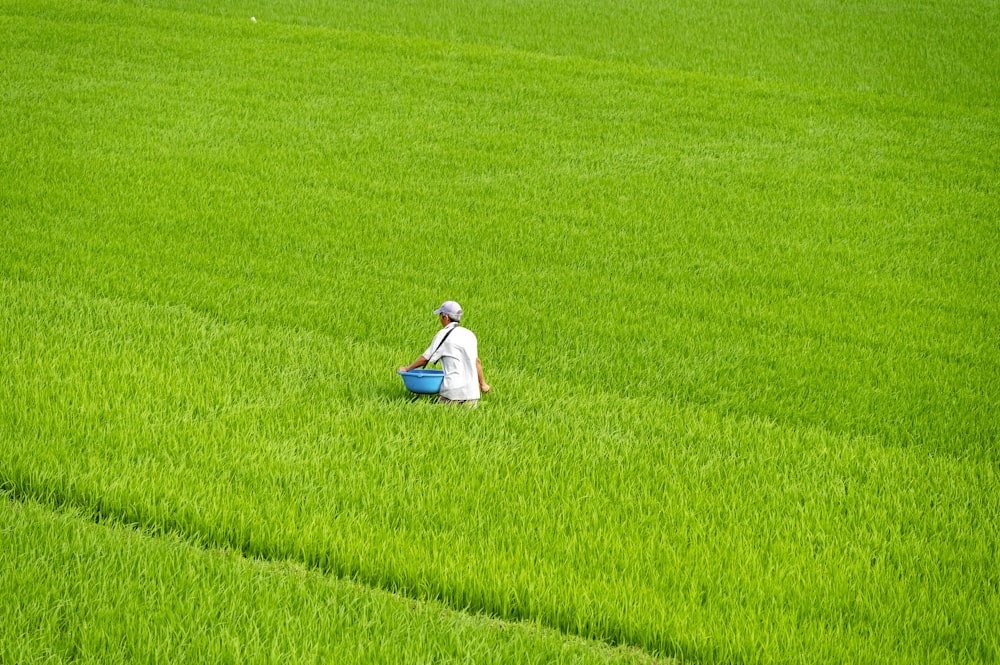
x: 423, y: 381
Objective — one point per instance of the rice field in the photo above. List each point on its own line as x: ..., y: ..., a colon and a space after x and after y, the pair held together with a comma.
x: 733, y: 272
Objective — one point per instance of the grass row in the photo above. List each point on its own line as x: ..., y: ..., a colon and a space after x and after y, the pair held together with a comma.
x: 922, y: 48
x: 74, y: 591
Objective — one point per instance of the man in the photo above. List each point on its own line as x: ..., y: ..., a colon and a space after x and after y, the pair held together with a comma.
x: 458, y: 350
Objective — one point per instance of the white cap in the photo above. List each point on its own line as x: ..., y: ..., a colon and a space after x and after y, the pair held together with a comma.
x: 451, y: 309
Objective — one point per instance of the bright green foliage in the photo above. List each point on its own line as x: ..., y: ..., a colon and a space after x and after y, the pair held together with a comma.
x: 944, y: 49
x: 740, y: 312
x: 76, y: 591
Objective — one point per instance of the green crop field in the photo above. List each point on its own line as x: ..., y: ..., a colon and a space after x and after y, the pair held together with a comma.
x: 733, y: 267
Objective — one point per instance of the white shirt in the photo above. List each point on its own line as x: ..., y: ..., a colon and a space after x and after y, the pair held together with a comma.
x: 458, y: 357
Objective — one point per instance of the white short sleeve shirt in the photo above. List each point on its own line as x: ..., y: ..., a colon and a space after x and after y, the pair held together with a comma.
x: 458, y: 355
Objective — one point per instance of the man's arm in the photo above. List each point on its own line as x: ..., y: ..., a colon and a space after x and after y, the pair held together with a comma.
x: 419, y: 362
x: 483, y: 386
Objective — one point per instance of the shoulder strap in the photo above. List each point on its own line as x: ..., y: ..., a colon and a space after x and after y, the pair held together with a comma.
x: 441, y: 343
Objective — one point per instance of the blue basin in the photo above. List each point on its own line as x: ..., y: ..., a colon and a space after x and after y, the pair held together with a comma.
x: 423, y: 381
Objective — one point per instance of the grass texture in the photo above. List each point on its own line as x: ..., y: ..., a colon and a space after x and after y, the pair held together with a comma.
x: 76, y: 591
x: 740, y: 315
x: 945, y: 50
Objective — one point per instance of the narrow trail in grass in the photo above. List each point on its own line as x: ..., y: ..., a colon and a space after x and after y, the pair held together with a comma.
x: 731, y: 41
x: 422, y: 608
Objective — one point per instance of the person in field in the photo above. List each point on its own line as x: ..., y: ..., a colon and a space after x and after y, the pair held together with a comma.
x: 458, y: 350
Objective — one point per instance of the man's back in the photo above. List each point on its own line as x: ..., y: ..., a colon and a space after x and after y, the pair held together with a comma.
x: 458, y: 353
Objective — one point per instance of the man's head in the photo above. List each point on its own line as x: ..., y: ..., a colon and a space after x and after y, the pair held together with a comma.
x: 450, y: 309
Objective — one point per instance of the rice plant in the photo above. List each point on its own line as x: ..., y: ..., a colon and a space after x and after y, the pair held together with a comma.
x: 739, y: 313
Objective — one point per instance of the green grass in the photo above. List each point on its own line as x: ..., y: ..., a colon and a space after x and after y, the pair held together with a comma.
x: 921, y: 48
x: 740, y: 315
x: 75, y: 591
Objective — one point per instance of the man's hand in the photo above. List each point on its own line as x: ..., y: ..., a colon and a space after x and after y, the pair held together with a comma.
x: 485, y: 387
x: 419, y: 362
